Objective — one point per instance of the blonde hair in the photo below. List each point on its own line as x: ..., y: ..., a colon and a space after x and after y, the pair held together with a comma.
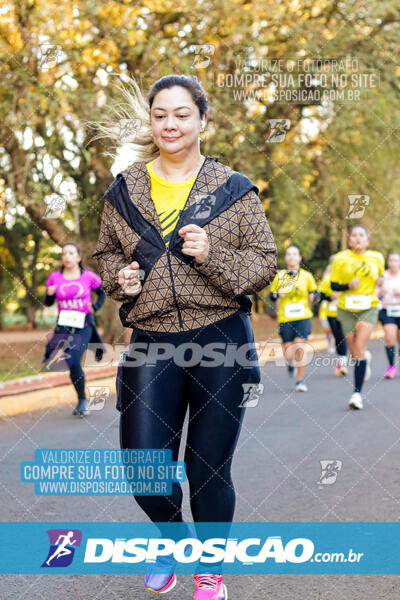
x: 135, y: 112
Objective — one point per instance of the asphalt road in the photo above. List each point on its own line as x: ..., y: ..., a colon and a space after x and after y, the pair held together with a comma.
x: 276, y: 472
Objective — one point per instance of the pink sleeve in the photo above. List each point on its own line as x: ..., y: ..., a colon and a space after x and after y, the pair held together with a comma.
x: 50, y: 280
x: 95, y: 280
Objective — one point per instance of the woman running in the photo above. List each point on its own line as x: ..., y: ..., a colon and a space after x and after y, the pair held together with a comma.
x: 388, y: 292
x: 332, y: 298
x: 354, y: 274
x: 296, y: 289
x: 197, y: 231
x: 76, y: 328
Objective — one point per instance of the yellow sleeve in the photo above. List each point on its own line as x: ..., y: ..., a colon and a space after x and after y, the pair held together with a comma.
x: 336, y: 275
x: 274, y: 284
x: 324, y: 287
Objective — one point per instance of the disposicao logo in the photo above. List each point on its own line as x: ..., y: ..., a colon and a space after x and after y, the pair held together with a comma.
x: 62, y: 547
x: 189, y: 550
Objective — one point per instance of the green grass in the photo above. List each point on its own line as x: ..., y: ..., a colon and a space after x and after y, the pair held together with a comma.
x: 16, y: 374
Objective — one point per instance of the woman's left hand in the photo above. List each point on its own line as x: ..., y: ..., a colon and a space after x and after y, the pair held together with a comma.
x: 91, y: 307
x: 195, y: 242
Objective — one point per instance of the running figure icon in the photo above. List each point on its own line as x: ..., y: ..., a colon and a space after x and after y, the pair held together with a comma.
x: 62, y: 549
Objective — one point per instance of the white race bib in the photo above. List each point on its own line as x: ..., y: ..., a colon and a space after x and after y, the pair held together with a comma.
x: 71, y: 318
x: 357, y: 301
x: 295, y: 310
x: 333, y: 306
x: 393, y: 310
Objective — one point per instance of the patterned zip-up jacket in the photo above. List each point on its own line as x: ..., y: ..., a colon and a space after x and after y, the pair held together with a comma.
x: 177, y: 293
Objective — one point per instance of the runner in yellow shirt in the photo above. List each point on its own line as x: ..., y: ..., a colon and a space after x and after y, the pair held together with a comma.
x: 354, y: 274
x: 331, y: 298
x: 295, y: 288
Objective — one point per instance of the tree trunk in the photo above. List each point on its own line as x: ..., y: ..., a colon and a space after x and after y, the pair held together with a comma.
x: 30, y: 315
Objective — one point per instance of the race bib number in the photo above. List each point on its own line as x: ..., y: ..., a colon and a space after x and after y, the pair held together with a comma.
x: 295, y: 310
x: 393, y: 310
x: 358, y: 301
x: 72, y: 318
x: 332, y: 308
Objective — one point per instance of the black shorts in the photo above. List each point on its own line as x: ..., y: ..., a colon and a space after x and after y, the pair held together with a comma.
x: 385, y: 320
x: 289, y: 330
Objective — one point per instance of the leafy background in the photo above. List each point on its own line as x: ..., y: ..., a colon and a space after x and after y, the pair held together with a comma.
x: 304, y: 181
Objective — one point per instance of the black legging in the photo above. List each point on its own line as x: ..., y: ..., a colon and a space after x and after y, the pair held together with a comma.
x: 72, y: 342
x: 74, y: 360
x: 337, y: 331
x: 154, y: 400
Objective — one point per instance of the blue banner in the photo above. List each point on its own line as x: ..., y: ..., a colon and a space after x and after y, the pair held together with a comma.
x: 248, y: 548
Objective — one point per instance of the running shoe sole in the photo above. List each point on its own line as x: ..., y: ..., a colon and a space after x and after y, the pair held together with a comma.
x: 166, y: 589
x: 354, y: 406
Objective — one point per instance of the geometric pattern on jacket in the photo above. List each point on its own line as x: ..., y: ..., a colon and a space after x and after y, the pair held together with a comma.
x: 179, y: 294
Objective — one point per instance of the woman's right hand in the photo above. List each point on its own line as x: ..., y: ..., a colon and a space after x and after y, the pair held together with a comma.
x: 354, y: 283
x: 129, y: 281
x: 51, y: 290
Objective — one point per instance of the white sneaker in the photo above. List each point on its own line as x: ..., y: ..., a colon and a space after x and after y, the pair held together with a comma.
x: 368, y: 357
x: 356, y: 401
x: 301, y: 387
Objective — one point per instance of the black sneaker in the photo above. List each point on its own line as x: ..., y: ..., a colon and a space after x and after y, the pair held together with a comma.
x: 82, y: 408
x: 290, y: 370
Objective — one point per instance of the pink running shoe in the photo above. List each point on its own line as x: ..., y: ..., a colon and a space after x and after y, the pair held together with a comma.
x: 391, y: 372
x: 341, y: 370
x: 210, y: 587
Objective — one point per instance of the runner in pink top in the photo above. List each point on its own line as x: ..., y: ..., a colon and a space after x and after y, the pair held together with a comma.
x: 388, y: 292
x: 72, y: 287
x: 74, y: 294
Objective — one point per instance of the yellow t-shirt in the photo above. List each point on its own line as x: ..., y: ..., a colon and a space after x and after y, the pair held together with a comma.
x: 368, y: 266
x: 330, y: 306
x: 294, y: 305
x: 169, y: 199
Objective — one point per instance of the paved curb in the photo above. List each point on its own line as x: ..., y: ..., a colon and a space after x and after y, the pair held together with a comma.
x: 54, y: 395
x: 40, y: 399
x: 44, y: 380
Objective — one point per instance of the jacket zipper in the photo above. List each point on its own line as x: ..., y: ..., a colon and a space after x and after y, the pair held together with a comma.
x: 168, y: 250
x: 173, y: 289
x: 184, y: 206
